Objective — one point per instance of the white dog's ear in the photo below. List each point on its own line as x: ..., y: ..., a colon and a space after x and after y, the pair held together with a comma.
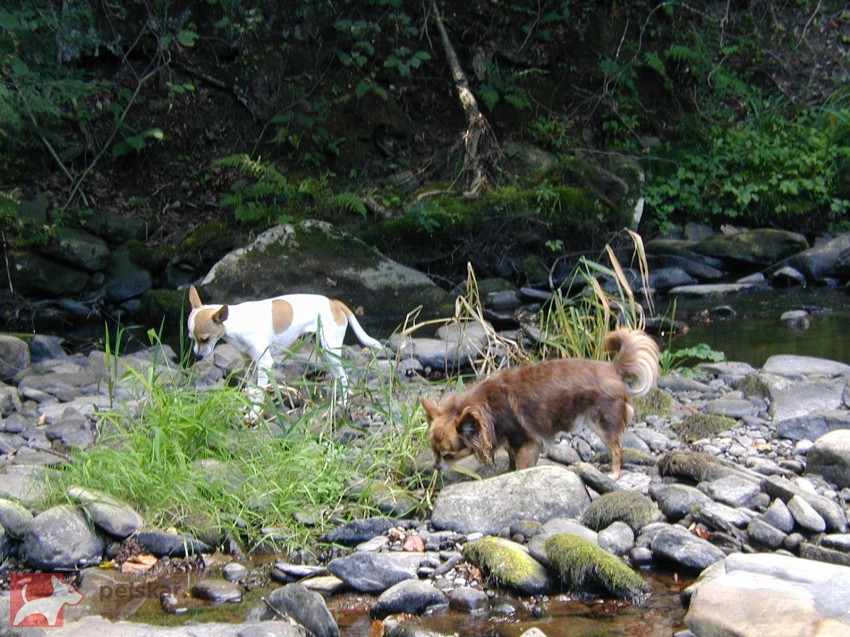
x: 220, y: 316
x: 194, y: 298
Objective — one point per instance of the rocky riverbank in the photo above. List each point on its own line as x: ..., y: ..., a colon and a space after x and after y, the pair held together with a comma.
x: 739, y: 475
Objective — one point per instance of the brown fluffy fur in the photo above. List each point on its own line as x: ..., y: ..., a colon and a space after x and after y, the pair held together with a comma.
x: 521, y: 408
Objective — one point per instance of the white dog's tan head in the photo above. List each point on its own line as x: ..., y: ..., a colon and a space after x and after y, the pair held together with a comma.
x: 205, y: 324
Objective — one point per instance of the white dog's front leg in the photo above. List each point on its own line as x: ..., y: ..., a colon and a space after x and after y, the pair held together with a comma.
x: 257, y: 393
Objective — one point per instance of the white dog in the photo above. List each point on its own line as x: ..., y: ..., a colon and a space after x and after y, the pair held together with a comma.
x: 253, y: 327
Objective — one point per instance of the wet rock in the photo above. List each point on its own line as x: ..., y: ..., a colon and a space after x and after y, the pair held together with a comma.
x: 305, y: 607
x: 408, y: 596
x: 469, y: 600
x: 675, y: 544
x: 370, y: 572
x: 218, y: 591
x: 171, y: 545
x: 488, y: 506
x: 234, y: 571
x: 61, y: 538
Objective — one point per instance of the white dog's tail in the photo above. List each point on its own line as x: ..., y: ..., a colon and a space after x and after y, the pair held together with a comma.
x: 361, y: 334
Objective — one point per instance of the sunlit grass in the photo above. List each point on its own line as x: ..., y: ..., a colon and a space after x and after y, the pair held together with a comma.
x: 184, y: 457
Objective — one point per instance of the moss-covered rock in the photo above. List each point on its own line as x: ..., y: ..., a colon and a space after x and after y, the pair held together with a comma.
x: 655, y: 403
x: 583, y: 566
x: 508, y: 564
x: 699, y: 426
x: 631, y: 507
x: 314, y: 257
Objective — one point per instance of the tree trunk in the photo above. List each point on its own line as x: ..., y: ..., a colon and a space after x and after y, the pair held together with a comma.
x: 481, y: 149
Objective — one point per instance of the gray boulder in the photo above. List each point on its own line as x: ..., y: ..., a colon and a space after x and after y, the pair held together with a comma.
x: 674, y: 544
x: 14, y: 518
x: 830, y: 457
x: 371, y: 572
x: 306, y: 607
x: 677, y: 500
x: 771, y: 596
x: 108, y: 513
x: 819, y: 262
x: 762, y: 246
x: 14, y: 356
x: 488, y: 506
x: 62, y: 538
x: 314, y: 257
x: 80, y: 249
x: 409, y: 596
x: 795, y: 366
x: 124, y: 278
x: 33, y: 273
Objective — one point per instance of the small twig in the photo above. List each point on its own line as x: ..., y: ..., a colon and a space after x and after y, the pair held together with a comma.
x: 78, y: 184
x: 6, y: 257
x: 808, y: 22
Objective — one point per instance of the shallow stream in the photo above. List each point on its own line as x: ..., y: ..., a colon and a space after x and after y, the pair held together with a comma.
x: 756, y: 332
x: 119, y: 597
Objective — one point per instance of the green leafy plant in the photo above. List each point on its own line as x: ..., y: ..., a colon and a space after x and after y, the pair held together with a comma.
x: 680, y: 359
x: 769, y: 171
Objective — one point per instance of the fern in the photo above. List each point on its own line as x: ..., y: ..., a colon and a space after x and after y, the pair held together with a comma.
x: 348, y: 202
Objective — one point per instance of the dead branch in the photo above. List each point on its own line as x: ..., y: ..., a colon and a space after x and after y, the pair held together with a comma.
x: 481, y: 149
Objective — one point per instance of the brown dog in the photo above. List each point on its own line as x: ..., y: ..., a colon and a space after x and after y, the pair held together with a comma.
x: 522, y: 407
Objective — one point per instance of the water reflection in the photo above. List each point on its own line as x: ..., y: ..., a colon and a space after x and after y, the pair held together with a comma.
x: 756, y: 333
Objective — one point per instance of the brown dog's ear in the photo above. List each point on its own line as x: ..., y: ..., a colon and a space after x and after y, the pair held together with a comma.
x: 220, y: 316
x: 475, y: 428
x: 432, y: 409
x: 194, y: 298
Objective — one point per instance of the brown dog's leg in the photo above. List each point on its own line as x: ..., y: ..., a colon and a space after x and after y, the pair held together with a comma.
x: 616, y: 459
x: 526, y: 456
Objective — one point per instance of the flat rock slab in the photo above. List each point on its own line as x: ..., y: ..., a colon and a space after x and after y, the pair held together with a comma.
x: 488, y: 506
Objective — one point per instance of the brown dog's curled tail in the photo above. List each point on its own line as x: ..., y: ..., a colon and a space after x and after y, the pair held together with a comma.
x: 637, y: 359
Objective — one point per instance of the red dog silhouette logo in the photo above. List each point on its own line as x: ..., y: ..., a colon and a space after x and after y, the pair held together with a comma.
x: 39, y: 599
